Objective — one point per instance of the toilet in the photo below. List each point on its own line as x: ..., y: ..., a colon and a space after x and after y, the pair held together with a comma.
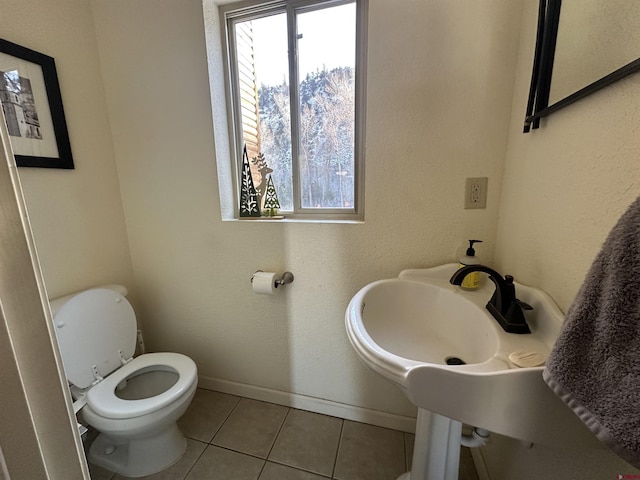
x: 133, y: 402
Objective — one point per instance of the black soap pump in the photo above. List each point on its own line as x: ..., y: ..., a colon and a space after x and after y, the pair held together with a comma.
x: 471, y: 281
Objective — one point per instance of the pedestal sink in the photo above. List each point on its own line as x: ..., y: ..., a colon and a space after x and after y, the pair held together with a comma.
x: 441, y: 346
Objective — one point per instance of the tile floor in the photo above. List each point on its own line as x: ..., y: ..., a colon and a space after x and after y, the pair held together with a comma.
x: 235, y: 438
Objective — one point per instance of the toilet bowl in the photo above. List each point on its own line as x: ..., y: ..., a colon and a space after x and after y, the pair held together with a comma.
x: 133, y: 402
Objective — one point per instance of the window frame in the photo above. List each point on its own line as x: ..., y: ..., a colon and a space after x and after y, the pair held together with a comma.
x: 247, y: 10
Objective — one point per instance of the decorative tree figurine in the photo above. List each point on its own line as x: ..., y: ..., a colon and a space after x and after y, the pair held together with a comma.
x: 271, y: 204
x: 249, y: 206
x: 263, y: 170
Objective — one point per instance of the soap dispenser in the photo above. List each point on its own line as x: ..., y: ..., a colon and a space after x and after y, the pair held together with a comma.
x: 472, y: 280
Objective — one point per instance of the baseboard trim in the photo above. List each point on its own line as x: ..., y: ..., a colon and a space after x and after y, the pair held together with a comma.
x: 312, y: 404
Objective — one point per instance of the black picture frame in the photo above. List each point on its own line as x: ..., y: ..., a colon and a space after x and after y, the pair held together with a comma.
x: 31, y: 100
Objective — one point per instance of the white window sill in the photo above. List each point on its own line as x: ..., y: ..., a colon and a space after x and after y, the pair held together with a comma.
x: 293, y: 220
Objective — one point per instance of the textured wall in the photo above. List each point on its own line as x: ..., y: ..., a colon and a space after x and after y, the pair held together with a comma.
x: 76, y: 215
x: 565, y: 186
x: 436, y: 114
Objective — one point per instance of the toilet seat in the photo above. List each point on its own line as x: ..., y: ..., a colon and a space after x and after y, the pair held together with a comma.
x: 101, y: 398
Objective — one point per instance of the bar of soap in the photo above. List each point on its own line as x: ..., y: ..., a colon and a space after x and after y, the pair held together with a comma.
x: 527, y: 359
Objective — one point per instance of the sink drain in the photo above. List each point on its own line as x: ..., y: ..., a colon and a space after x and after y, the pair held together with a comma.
x: 454, y: 361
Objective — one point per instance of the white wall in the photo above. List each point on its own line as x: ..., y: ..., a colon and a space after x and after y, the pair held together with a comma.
x: 565, y: 186
x: 76, y: 215
x: 567, y: 183
x: 440, y: 75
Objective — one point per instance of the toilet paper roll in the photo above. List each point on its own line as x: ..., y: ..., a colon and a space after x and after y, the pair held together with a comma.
x: 264, y: 283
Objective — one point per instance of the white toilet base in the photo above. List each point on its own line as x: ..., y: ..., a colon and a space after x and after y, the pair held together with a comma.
x: 139, y: 456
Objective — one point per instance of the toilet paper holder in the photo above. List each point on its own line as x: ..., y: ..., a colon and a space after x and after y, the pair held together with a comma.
x: 286, y: 277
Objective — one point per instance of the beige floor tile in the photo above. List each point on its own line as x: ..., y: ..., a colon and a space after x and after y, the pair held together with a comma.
x: 220, y: 464
x: 273, y: 471
x: 251, y: 428
x: 303, y: 445
x: 179, y: 470
x: 308, y: 441
x: 206, y: 414
x: 369, y: 453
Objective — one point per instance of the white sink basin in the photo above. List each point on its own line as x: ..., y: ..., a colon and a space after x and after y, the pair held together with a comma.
x: 406, y: 328
x: 420, y: 322
x: 414, y: 322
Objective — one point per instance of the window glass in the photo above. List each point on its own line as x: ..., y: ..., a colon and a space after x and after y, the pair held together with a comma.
x: 263, y: 81
x: 326, y: 108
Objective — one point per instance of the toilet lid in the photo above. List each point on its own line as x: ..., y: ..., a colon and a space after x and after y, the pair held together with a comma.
x: 93, y: 328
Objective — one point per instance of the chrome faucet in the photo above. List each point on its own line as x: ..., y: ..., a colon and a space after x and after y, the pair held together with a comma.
x: 503, y: 305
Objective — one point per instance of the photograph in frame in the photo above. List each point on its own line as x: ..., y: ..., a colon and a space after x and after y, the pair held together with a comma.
x: 32, y: 107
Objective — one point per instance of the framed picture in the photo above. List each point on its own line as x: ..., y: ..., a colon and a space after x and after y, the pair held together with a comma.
x: 32, y: 105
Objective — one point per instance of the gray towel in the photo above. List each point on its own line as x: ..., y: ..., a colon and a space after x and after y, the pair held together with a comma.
x: 595, y: 364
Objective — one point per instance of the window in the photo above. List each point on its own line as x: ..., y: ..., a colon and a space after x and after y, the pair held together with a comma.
x: 296, y: 84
